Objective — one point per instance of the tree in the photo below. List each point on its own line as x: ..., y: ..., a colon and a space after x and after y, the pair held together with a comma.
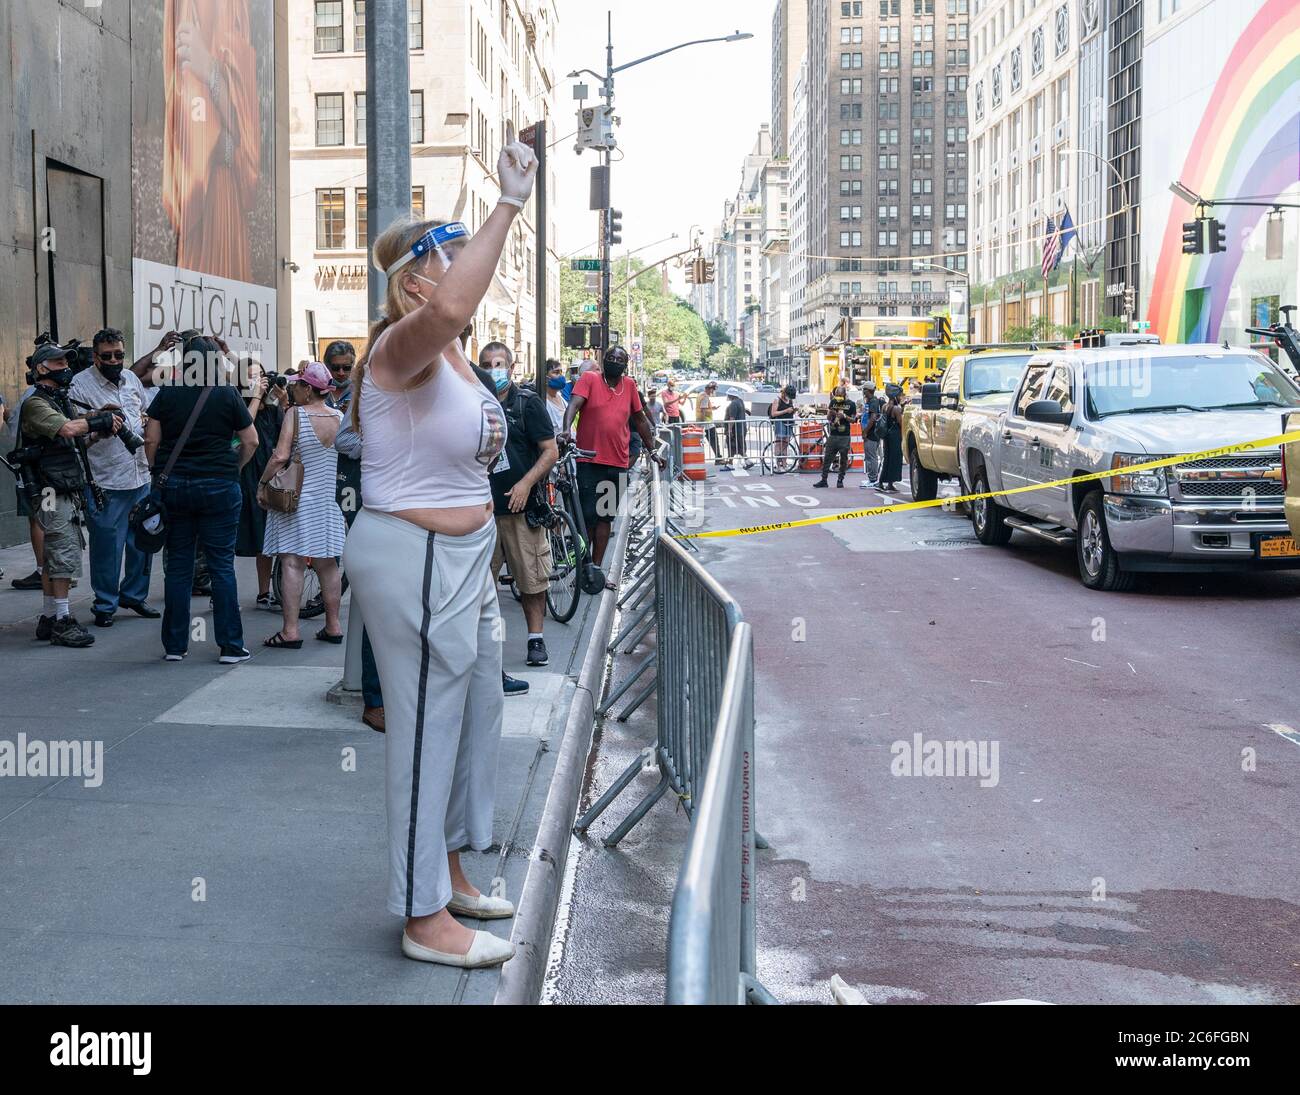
x: 659, y: 319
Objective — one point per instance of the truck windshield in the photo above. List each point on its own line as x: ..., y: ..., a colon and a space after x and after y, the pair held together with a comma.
x: 993, y: 375
x: 1198, y: 382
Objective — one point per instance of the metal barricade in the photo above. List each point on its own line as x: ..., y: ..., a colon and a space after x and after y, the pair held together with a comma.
x: 712, y: 931
x: 704, y: 748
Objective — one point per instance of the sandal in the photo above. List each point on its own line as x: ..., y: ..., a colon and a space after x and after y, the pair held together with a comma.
x: 325, y: 637
x: 281, y: 643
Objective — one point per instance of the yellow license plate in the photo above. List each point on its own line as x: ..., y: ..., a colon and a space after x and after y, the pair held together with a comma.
x: 1279, y: 547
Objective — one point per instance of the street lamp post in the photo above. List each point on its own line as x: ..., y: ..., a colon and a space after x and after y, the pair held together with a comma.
x: 607, y: 93
x: 1124, y: 197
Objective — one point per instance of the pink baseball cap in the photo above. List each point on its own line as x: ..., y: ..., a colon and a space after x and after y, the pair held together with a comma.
x: 317, y: 375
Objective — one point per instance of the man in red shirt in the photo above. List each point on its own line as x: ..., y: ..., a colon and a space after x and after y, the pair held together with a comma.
x: 605, y: 403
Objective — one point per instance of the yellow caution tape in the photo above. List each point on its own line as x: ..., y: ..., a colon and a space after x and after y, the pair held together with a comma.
x: 902, y: 507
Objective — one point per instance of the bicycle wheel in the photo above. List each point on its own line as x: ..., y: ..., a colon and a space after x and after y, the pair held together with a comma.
x: 781, y: 456
x: 567, y: 551
x: 310, y: 590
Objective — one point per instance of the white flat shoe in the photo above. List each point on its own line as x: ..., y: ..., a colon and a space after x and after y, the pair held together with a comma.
x: 486, y: 950
x: 482, y: 907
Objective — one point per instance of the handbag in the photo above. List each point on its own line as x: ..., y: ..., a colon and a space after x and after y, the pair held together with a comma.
x: 148, y: 518
x: 283, y: 490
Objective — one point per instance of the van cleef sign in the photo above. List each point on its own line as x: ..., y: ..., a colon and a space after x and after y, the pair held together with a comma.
x: 351, y: 277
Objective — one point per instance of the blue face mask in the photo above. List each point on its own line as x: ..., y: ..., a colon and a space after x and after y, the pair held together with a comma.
x: 501, y: 378
x: 556, y: 382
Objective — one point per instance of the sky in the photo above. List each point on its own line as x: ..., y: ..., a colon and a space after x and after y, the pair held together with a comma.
x: 688, y: 119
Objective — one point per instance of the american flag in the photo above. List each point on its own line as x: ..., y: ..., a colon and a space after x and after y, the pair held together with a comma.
x: 1056, y: 241
x: 1051, y: 247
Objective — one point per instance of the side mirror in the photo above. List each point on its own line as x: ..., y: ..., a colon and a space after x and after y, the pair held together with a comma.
x: 952, y: 402
x: 1048, y: 410
x: 930, y: 400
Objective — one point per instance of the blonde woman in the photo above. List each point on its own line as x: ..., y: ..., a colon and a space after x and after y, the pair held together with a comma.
x: 419, y: 561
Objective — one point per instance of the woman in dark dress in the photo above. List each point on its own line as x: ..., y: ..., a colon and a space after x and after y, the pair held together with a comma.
x: 267, y: 412
x: 891, y: 437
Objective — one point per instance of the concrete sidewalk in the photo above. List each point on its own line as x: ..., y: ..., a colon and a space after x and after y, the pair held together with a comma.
x: 235, y: 851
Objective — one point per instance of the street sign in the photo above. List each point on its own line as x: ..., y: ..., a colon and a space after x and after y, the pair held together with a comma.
x: 593, y: 283
x: 590, y: 308
x: 586, y: 264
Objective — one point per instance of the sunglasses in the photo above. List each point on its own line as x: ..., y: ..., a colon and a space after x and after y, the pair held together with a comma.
x: 118, y: 355
x: 339, y: 368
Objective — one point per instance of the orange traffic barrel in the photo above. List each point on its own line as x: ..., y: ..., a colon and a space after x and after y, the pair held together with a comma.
x: 810, y: 440
x: 693, y: 453
x: 858, y: 452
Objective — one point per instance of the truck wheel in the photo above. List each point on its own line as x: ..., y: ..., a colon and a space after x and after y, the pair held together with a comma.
x: 1098, y: 564
x: 986, y: 515
x: 925, y: 484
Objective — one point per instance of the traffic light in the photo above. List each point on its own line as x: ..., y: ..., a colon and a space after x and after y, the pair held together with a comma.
x: 1130, y: 300
x: 709, y: 277
x: 575, y: 336
x: 690, y: 274
x: 1192, y: 238
x: 615, y: 227
x: 1214, y: 232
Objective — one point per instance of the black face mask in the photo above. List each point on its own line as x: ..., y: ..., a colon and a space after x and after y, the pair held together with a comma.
x: 62, y: 377
x: 111, y: 373
x: 614, y: 373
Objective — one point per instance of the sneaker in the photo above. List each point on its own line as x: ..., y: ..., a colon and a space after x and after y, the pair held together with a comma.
x: 32, y: 581
x: 44, y: 629
x: 511, y: 686
x: 67, y: 632
x: 840, y: 483
x: 537, y: 652
x: 268, y: 602
x: 175, y: 657
x: 821, y: 483
x: 233, y: 655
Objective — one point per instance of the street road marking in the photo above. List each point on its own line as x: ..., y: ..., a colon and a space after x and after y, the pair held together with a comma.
x: 1130, y: 665
x: 1088, y: 664
x: 1283, y: 731
x: 1091, y: 477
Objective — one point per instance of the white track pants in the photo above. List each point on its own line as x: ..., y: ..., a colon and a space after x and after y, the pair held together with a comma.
x: 431, y: 612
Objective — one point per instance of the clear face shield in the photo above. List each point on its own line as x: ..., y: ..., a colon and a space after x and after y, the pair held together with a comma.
x: 436, y: 240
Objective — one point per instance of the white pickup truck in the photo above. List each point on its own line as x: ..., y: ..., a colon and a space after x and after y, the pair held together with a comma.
x: 1076, y: 412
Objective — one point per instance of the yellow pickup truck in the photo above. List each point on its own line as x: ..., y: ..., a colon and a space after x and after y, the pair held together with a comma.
x: 1291, y: 474
x: 982, y: 381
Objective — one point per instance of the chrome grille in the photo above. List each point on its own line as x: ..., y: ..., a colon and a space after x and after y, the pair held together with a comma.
x: 1243, y: 460
x: 1230, y: 488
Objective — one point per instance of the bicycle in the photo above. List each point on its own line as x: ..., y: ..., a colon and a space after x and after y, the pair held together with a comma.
x: 785, y: 454
x: 572, y: 571
x: 312, y: 602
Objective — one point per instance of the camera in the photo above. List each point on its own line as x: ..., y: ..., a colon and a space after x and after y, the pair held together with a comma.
x: 102, y: 422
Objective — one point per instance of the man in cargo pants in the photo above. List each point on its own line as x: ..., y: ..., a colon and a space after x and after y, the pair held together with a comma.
x: 839, y: 435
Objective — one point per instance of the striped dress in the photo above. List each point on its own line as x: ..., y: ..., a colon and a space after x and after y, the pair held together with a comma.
x: 317, y: 529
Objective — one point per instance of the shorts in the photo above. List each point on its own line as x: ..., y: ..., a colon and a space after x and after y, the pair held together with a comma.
x: 64, y: 540
x: 527, y: 550
x: 600, y: 489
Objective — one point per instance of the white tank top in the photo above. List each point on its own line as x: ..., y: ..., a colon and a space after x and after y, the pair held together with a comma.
x: 431, y: 447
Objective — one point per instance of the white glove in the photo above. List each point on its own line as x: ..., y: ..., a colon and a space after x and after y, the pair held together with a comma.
x: 517, y: 170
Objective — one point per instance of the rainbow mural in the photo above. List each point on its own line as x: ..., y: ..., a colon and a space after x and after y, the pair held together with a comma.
x: 1246, y: 145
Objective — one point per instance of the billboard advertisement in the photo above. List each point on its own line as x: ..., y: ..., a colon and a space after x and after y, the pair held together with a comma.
x: 203, y: 156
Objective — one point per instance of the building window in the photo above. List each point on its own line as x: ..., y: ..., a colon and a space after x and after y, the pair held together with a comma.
x: 417, y: 117
x: 1062, y: 29
x: 1036, y: 51
x: 415, y: 16
x: 331, y: 220
x: 995, y: 85
x: 329, y: 120
x: 1015, y: 69
x: 359, y: 25
x: 417, y: 202
x: 329, y: 26
x: 360, y: 113
x: 363, y: 220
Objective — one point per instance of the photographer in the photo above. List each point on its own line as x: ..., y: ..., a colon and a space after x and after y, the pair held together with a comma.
x: 123, y: 477
x: 59, y: 475
x: 839, y: 435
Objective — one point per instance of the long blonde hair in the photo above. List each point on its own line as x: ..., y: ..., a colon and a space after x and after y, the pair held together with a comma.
x: 396, y: 241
